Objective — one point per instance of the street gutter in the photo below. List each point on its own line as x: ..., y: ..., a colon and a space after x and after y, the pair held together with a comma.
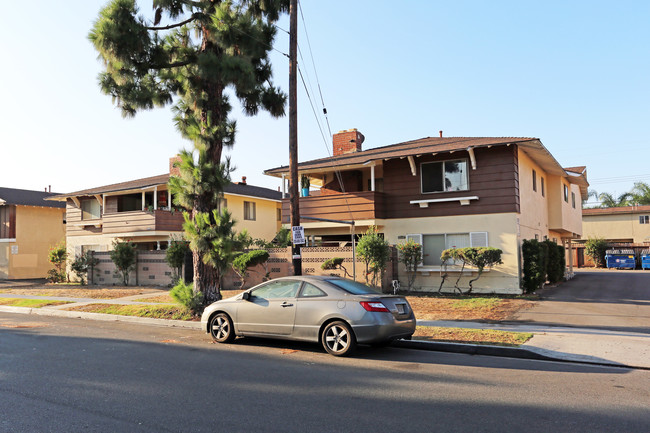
x: 463, y: 348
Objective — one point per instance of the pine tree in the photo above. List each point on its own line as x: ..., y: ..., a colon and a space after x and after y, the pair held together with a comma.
x: 209, y: 48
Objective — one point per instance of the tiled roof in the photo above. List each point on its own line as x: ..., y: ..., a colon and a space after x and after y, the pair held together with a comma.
x: 24, y: 197
x: 616, y: 210
x: 233, y: 188
x: 414, y: 147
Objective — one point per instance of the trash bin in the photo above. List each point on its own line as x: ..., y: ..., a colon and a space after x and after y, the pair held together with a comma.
x: 620, y: 259
x: 645, y: 259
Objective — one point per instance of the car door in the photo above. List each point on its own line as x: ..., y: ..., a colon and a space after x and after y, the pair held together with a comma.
x: 271, y: 309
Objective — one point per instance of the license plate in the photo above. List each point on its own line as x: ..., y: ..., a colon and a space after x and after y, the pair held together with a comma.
x: 401, y: 308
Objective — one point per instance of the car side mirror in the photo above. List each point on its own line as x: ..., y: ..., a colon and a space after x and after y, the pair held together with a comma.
x: 246, y: 296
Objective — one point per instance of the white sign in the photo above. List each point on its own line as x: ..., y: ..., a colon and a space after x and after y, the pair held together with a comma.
x: 298, y: 235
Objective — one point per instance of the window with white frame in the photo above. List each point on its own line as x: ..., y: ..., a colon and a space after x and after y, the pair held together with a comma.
x: 573, y: 200
x: 644, y: 219
x: 566, y: 193
x: 434, y: 244
x: 444, y: 176
x: 249, y: 210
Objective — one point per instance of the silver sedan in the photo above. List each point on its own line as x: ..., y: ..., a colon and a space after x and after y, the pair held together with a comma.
x: 335, y: 312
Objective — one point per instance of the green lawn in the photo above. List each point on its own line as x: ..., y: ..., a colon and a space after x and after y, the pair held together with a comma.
x: 169, y: 312
x: 472, y: 336
x: 32, y: 303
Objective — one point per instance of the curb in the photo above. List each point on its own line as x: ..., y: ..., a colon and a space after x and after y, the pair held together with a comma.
x: 102, y: 317
x: 499, y: 351
x: 467, y: 349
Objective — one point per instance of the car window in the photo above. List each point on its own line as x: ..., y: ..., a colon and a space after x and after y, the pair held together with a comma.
x: 278, y: 289
x: 353, y: 287
x: 311, y: 291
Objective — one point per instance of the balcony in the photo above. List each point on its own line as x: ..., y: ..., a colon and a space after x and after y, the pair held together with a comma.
x: 142, y: 221
x: 366, y: 205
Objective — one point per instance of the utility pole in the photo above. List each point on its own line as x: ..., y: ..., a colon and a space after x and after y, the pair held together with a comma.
x: 293, y: 131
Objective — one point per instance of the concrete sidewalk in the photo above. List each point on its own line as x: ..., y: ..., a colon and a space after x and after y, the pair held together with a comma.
x: 592, y: 345
x: 586, y: 345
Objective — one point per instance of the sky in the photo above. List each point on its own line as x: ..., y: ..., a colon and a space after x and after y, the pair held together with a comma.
x: 573, y: 73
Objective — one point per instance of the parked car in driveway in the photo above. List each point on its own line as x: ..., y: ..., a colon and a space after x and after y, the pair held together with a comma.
x: 336, y: 312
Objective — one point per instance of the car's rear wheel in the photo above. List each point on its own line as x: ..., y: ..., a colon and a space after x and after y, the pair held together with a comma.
x: 338, y: 339
x: 221, y: 328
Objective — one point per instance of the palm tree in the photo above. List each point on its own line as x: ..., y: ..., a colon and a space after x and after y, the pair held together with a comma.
x: 641, y: 193
x: 608, y: 200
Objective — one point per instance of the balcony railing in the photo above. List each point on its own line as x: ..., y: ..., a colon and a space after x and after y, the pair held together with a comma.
x: 138, y: 221
x: 355, y: 206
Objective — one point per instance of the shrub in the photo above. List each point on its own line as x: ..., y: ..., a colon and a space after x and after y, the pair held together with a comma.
x: 556, y: 263
x: 335, y: 263
x: 410, y: 254
x: 81, y: 264
x: 479, y: 257
x: 58, y: 256
x: 245, y: 261
x: 375, y: 252
x: 175, y: 256
x: 596, y: 248
x: 184, y: 294
x: 123, y: 256
x: 534, y: 265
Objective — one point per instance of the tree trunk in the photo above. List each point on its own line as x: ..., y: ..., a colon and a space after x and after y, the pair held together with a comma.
x: 206, y: 279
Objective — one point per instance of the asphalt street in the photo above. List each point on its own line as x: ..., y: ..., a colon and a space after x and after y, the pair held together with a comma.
x: 63, y: 375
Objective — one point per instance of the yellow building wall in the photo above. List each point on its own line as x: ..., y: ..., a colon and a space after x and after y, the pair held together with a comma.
x: 266, y: 224
x: 502, y: 234
x: 616, y: 227
x: 533, y: 206
x: 562, y: 214
x: 37, y: 229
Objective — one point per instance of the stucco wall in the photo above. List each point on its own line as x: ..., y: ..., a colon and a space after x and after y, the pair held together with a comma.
x: 37, y: 229
x: 616, y: 227
x: 502, y: 234
x: 534, y: 207
x: 562, y: 214
x: 266, y: 224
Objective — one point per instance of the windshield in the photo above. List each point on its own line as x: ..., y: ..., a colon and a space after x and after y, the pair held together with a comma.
x: 353, y: 287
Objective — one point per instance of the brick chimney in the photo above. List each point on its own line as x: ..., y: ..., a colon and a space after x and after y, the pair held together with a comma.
x: 174, y: 171
x: 347, y: 142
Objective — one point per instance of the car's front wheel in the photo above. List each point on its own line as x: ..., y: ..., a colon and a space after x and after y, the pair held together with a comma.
x: 221, y: 328
x: 338, y: 339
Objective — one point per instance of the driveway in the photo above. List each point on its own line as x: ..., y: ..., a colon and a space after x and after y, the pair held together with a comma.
x: 604, y: 299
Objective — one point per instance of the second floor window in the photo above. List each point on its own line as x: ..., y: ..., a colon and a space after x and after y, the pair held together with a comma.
x: 444, y: 176
x: 279, y: 214
x: 542, y: 180
x: 534, y: 181
x: 249, y: 210
x: 573, y: 199
x: 644, y: 219
x: 566, y: 193
x: 90, y: 209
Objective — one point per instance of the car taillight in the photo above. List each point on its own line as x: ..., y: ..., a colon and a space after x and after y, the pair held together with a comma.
x: 374, y: 306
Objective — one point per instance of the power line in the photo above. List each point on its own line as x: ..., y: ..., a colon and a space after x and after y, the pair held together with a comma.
x: 311, y: 52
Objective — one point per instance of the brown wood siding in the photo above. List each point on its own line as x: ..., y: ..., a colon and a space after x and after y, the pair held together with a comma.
x: 494, y: 182
x: 165, y: 220
x: 137, y: 221
x: 352, y: 206
x: 73, y: 220
x: 126, y: 222
x: 111, y: 204
x: 8, y: 222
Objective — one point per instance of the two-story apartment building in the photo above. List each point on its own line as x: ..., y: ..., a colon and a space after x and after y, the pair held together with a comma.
x: 142, y: 212
x: 29, y: 226
x: 444, y: 192
x: 626, y: 224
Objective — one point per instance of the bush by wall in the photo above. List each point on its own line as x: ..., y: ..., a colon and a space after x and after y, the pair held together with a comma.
x: 543, y: 261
